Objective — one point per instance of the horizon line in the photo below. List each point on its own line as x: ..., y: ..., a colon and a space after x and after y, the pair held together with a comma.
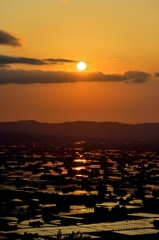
x: 77, y: 121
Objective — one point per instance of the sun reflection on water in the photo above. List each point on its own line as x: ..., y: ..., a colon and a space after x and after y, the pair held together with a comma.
x: 80, y: 160
x: 78, y: 168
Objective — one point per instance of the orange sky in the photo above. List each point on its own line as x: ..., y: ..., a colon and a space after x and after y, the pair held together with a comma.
x: 42, y: 41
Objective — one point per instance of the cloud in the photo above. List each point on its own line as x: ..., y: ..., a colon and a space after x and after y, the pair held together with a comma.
x: 137, y: 76
x: 59, y: 60
x: 157, y: 74
x: 22, y: 60
x: 8, y: 39
x: 128, y: 76
x: 3, y: 66
x: 5, y: 60
x: 44, y: 77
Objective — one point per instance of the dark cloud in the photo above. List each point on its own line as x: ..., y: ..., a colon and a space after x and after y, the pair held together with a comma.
x: 137, y: 76
x: 8, y: 39
x: 33, y: 61
x: 157, y: 74
x: 3, y: 66
x: 59, y: 60
x: 22, y: 60
x: 44, y: 77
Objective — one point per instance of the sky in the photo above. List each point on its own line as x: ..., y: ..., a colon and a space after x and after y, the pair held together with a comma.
x: 41, y: 42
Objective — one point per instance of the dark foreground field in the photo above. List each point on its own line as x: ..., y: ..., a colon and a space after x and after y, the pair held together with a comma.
x: 53, y: 188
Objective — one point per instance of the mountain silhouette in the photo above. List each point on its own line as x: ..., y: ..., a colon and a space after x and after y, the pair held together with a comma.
x: 103, y: 130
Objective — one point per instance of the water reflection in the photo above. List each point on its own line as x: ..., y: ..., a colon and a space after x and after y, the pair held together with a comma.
x: 81, y: 160
x: 81, y: 176
x: 78, y: 168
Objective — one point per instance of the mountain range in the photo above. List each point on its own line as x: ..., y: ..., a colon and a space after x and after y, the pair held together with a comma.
x: 103, y: 130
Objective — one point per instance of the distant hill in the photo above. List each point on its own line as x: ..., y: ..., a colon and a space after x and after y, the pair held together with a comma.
x: 102, y: 130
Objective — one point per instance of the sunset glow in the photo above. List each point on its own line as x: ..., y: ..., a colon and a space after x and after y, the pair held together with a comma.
x: 79, y: 60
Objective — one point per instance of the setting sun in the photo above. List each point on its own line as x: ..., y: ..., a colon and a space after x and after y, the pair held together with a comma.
x: 81, y: 66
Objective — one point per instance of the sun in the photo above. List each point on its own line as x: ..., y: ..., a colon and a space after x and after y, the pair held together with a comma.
x: 81, y: 66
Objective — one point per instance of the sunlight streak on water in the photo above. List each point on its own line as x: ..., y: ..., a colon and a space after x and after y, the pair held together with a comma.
x: 78, y: 168
x: 80, y: 160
